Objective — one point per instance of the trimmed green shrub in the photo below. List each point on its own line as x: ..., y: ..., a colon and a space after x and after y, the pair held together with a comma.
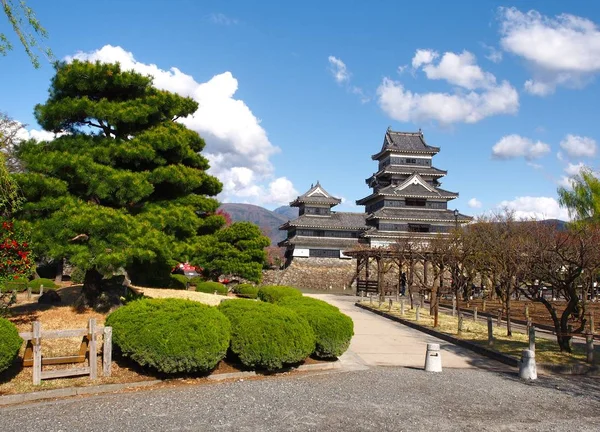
x: 10, y: 286
x: 197, y: 280
x: 274, y: 293
x: 210, y: 287
x: 247, y: 291
x: 10, y: 343
x: 171, y: 335
x: 36, y: 283
x: 179, y: 281
x: 266, y: 336
x: 77, y: 275
x: 333, y: 330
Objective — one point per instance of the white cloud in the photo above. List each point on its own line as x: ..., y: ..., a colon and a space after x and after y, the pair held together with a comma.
x: 528, y: 207
x: 474, y: 203
x: 237, y: 146
x: 460, y: 69
x: 494, y: 55
x: 565, y: 181
x: 579, y: 146
x: 485, y: 97
x: 573, y: 169
x: 341, y: 74
x: 222, y: 19
x: 534, y: 165
x: 513, y: 146
x: 404, y: 105
x: 38, y: 135
x: 423, y: 56
x: 564, y: 50
x: 339, y: 70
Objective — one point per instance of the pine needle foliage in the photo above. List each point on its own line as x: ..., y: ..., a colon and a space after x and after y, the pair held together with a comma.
x: 125, y: 184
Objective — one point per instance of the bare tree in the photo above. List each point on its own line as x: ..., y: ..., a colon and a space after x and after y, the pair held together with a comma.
x: 568, y: 261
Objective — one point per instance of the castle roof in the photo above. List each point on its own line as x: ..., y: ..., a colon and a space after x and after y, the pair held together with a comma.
x: 336, y: 220
x: 316, y: 195
x: 319, y: 242
x: 419, y: 215
x: 413, y: 187
x: 405, y: 142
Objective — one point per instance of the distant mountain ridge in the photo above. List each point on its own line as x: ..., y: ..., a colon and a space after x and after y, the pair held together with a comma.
x: 269, y: 221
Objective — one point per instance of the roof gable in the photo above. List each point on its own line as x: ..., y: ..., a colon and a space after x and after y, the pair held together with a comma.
x: 414, y: 180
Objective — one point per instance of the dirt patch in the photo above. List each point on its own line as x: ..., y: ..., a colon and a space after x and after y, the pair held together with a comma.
x: 209, y: 299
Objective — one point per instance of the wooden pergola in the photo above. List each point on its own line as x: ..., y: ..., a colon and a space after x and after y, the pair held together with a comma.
x: 384, y: 259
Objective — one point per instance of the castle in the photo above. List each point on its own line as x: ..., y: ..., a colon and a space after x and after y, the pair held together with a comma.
x: 406, y: 200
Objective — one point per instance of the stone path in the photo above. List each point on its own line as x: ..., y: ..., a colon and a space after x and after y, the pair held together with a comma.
x: 380, y: 342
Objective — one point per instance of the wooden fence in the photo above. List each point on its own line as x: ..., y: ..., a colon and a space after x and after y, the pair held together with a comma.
x: 88, y: 349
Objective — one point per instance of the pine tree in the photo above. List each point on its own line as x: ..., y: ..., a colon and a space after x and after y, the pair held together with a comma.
x: 125, y: 186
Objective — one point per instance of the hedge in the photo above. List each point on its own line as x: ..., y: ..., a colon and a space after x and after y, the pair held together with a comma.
x: 266, y: 336
x: 333, y: 330
x: 247, y: 291
x: 197, y: 280
x: 16, y: 285
x: 274, y: 293
x: 171, y: 335
x: 178, y: 281
x: 210, y: 287
x: 77, y: 275
x: 10, y: 343
x: 36, y: 283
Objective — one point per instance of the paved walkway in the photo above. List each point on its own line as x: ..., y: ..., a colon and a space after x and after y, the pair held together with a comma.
x: 379, y: 341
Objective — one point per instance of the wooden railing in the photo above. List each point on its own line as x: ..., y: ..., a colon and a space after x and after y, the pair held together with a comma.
x: 88, y: 349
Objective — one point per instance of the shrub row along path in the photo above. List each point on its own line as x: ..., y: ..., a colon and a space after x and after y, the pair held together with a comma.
x: 379, y: 341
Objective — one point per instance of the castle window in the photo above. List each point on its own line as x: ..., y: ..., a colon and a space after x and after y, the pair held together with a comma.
x: 411, y: 161
x: 415, y: 202
x: 418, y: 228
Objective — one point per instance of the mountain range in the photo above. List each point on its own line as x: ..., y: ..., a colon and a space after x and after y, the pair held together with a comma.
x: 268, y: 220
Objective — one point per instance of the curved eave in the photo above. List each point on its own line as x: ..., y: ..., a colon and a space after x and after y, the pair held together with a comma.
x: 462, y: 220
x: 433, y: 151
x: 331, y: 202
x: 370, y: 197
x: 333, y: 227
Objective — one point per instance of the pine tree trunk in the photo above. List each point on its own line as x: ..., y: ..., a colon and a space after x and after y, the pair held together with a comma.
x: 60, y: 266
x: 92, y: 286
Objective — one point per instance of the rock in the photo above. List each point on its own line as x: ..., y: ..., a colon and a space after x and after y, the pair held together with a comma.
x: 50, y: 297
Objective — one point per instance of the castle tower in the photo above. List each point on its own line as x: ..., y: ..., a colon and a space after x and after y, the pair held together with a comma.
x: 407, y: 198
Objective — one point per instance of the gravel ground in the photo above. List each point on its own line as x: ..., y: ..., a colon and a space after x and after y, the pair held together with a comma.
x: 209, y: 299
x: 379, y: 399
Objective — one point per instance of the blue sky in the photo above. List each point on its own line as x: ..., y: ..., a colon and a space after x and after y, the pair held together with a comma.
x: 292, y: 94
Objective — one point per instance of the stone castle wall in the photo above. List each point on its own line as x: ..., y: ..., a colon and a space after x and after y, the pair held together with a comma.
x: 321, y: 274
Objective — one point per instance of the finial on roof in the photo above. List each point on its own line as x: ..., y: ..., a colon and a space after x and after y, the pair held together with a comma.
x: 312, y: 185
x: 420, y: 132
x: 389, y: 128
x: 318, y: 183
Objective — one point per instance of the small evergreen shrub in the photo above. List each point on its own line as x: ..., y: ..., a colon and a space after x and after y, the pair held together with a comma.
x: 171, y: 335
x: 10, y: 343
x: 197, y: 280
x: 36, y: 283
x: 266, y: 336
x: 274, y: 293
x: 210, y: 287
x: 10, y: 286
x: 247, y: 291
x: 333, y: 330
x: 77, y: 275
x: 179, y: 281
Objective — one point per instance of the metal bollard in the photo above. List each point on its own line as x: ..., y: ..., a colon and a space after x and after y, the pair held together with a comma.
x: 417, y: 314
x: 401, y: 307
x: 475, y: 314
x: 527, y: 369
x: 433, y: 358
x: 490, y: 331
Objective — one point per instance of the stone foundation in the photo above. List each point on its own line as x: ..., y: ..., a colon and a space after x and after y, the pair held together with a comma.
x: 322, y: 274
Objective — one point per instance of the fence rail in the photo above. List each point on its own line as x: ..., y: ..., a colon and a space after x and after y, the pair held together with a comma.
x: 88, y: 349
